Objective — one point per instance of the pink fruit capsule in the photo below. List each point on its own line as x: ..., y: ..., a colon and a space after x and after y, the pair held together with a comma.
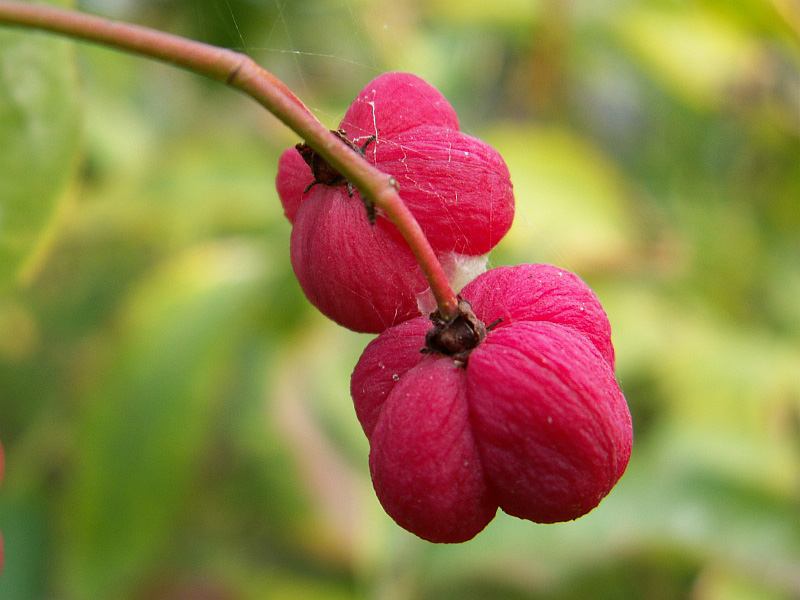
x: 531, y: 421
x: 364, y: 276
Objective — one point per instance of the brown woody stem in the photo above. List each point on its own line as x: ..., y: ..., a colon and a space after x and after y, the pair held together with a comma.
x: 241, y: 72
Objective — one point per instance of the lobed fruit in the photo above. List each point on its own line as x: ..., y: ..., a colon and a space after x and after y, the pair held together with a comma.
x: 532, y: 421
x: 364, y: 276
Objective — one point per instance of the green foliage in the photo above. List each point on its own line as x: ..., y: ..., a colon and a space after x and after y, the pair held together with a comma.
x: 39, y: 123
x: 176, y: 417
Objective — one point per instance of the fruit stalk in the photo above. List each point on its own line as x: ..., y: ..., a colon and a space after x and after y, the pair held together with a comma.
x: 241, y: 72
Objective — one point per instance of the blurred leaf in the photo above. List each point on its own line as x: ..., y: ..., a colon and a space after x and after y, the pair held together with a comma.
x: 329, y: 450
x: 20, y: 332
x: 257, y: 582
x: 39, y: 123
x: 144, y: 427
x: 761, y: 16
x: 515, y: 13
x: 717, y: 583
x: 737, y: 380
x: 702, y: 506
x: 570, y: 200
x: 693, y: 52
x: 26, y: 539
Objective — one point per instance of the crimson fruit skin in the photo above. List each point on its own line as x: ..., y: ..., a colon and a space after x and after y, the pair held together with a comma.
x: 534, y: 424
x: 412, y: 492
x: 457, y: 187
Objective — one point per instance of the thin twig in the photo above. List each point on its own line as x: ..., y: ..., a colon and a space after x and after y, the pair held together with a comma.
x: 241, y: 72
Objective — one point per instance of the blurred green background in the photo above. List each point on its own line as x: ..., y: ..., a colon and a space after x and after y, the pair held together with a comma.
x: 176, y: 416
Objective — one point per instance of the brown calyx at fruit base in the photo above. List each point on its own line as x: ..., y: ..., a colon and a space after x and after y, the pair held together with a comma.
x: 458, y: 336
x: 325, y: 174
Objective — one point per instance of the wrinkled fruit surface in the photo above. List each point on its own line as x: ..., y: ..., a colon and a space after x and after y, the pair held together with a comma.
x: 364, y: 277
x: 534, y: 423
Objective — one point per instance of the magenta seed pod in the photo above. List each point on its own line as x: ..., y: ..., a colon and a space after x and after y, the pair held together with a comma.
x: 363, y: 275
x: 531, y: 419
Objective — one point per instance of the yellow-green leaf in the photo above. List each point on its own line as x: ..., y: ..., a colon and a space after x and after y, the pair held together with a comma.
x: 39, y: 127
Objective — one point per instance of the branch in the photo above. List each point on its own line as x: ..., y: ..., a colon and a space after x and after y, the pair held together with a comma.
x: 241, y: 72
